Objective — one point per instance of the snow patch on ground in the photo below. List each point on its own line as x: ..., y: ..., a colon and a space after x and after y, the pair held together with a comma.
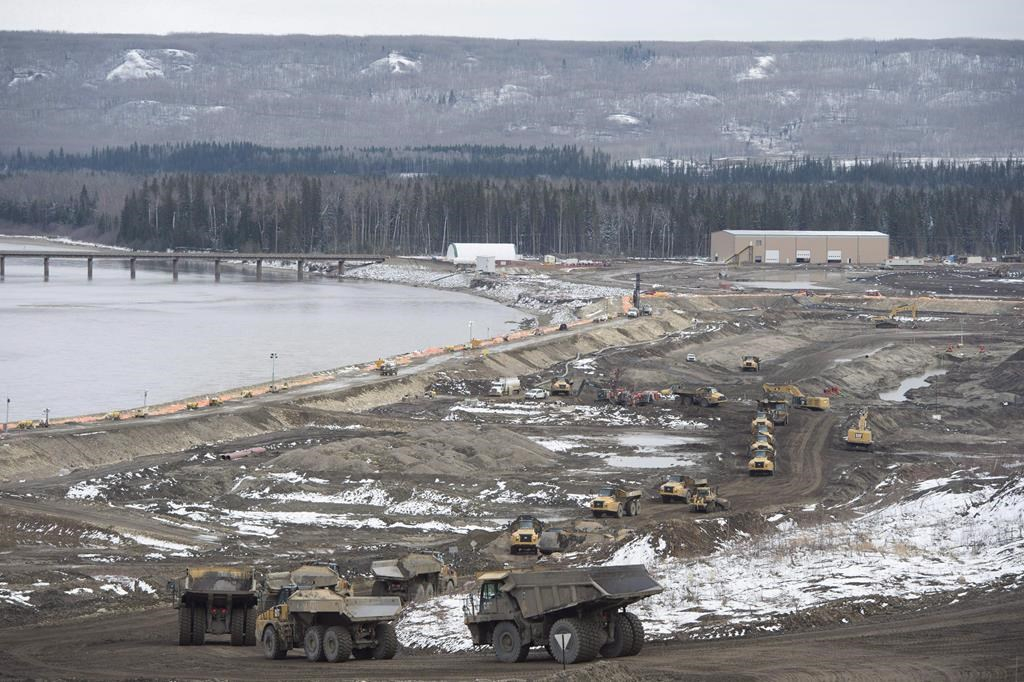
x: 765, y: 67
x: 623, y: 119
x: 395, y: 63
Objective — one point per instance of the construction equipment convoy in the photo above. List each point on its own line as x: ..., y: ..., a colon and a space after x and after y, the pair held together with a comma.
x: 676, y: 488
x: 216, y: 600
x: 705, y: 396
x: 705, y: 499
x: 313, y: 608
x: 414, y: 577
x: 575, y: 614
x: 859, y: 436
x: 525, y: 533
x: 751, y: 363
x: 612, y: 501
x: 819, y: 403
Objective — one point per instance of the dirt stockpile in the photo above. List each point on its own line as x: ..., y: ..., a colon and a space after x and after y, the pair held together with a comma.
x: 437, y: 449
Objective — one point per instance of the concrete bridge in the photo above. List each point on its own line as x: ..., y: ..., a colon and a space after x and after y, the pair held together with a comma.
x: 174, y: 257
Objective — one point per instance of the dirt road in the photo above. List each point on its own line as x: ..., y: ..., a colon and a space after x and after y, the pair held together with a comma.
x: 971, y: 642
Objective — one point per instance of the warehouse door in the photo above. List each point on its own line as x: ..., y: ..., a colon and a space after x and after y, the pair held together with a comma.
x: 835, y: 256
x: 771, y: 256
x: 803, y: 255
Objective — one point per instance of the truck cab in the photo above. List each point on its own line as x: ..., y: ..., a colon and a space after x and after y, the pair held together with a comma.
x: 525, y: 533
x: 676, y: 488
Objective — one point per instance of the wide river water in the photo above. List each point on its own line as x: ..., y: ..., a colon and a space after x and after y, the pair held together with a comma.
x: 79, y: 347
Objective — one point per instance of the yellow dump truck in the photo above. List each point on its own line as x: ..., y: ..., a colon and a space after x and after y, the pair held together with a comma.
x: 414, y: 577
x: 524, y: 534
x: 705, y: 396
x: 761, y: 420
x: 751, y: 363
x: 313, y: 608
x: 612, y: 501
x: 676, y: 488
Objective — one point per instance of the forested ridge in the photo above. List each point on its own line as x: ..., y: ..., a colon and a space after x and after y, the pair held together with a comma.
x: 552, y: 200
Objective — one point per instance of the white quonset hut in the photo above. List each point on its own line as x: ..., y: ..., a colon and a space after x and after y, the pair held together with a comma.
x: 467, y: 253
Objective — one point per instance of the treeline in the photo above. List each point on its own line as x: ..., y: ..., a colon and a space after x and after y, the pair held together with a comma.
x: 420, y: 215
x: 76, y: 211
x: 475, y: 161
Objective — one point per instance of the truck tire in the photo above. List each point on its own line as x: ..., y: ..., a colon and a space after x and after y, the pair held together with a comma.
x: 362, y: 654
x: 621, y: 641
x: 198, y: 623
x: 638, y: 633
x: 508, y: 643
x: 597, y: 514
x: 237, y: 626
x: 387, y: 642
x: 337, y: 644
x: 582, y: 645
x: 429, y: 593
x: 274, y: 646
x: 250, y: 626
x: 420, y: 594
x: 313, y: 644
x: 619, y: 512
x: 704, y: 402
x: 184, y: 625
x: 449, y: 587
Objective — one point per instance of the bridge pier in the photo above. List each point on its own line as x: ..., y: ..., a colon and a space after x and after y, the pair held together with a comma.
x: 1, y: 267
x: 341, y: 269
x: 259, y: 269
x: 88, y: 268
x: 216, y: 270
x: 174, y: 269
x: 46, y: 269
x: 302, y: 264
x: 131, y: 265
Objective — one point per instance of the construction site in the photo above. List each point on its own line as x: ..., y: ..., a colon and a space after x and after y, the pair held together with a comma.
x: 779, y: 472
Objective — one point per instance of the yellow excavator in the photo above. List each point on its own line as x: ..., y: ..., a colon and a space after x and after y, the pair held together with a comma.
x: 820, y: 403
x: 890, y: 321
x: 859, y: 437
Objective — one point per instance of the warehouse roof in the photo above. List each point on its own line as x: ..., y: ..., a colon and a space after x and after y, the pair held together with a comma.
x: 804, y: 233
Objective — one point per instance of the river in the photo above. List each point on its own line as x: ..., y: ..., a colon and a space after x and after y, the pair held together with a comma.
x: 76, y: 347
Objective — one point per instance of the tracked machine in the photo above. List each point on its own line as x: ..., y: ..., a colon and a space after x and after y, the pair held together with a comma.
x: 859, y: 437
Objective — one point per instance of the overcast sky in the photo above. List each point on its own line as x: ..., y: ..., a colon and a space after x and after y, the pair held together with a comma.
x: 546, y: 19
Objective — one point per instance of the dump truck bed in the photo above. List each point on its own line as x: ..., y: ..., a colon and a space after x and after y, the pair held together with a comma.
x: 355, y: 608
x: 405, y: 568
x: 541, y: 592
x: 222, y: 579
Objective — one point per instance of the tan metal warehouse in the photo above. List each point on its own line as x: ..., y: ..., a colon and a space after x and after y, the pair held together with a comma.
x: 798, y: 246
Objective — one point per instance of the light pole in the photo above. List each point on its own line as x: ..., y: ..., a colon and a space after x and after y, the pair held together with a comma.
x: 7, y: 416
x: 273, y: 367
x: 46, y: 416
x: 471, y: 332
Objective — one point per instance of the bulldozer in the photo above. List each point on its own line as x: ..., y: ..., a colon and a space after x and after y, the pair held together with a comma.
x: 751, y: 363
x: 819, y: 403
x: 891, y: 320
x: 387, y: 368
x: 859, y: 436
x: 705, y: 499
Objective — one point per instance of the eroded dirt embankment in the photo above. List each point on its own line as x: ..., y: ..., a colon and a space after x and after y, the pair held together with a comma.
x: 42, y: 454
